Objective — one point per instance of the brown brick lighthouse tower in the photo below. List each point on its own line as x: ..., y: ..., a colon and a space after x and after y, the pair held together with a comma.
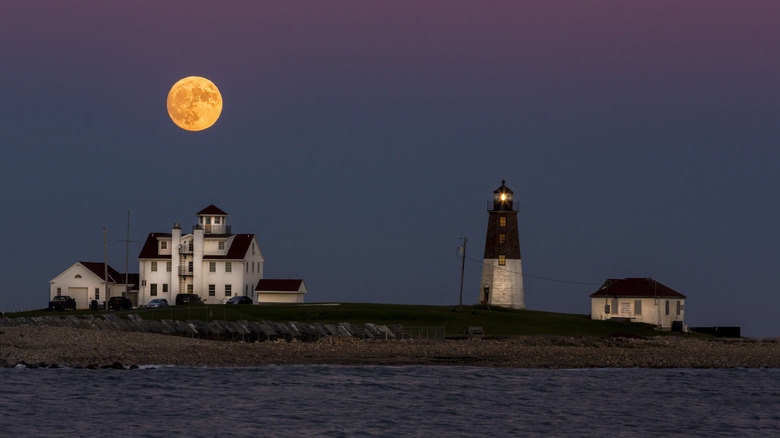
x: 502, y: 275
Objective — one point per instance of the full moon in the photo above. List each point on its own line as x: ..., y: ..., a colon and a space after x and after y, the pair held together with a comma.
x: 194, y: 103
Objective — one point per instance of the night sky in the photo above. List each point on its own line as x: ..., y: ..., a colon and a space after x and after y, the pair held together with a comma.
x: 360, y: 141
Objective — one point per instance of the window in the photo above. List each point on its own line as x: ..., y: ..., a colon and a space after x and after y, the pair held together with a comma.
x: 246, y: 265
x: 208, y: 221
x: 212, y: 266
x: 667, y: 307
x: 59, y: 291
x: 221, y: 245
x: 189, y: 288
x: 143, y: 282
x: 228, y: 290
x: 246, y: 289
x: 154, y: 266
x: 97, y: 293
x: 153, y: 289
x: 212, y: 290
x: 164, y: 244
x: 501, y: 260
x: 165, y: 288
x: 228, y: 267
x: 502, y: 221
x: 606, y: 309
x: 614, y: 307
x: 253, y: 267
x: 191, y: 245
x: 679, y: 307
x: 216, y: 220
x: 77, y: 276
x: 502, y: 238
x: 637, y: 307
x: 189, y: 267
x: 168, y: 266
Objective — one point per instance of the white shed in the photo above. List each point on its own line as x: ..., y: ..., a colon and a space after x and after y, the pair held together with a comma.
x: 280, y: 291
x: 640, y: 300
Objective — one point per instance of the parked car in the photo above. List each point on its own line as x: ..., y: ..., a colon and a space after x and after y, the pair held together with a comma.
x: 62, y: 302
x: 240, y: 300
x: 188, y: 299
x: 120, y: 303
x: 156, y: 303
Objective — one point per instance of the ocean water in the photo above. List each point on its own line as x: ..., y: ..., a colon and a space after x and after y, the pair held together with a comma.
x: 331, y: 401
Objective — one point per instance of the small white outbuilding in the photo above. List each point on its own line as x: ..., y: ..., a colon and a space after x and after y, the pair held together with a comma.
x: 280, y: 291
x: 639, y: 300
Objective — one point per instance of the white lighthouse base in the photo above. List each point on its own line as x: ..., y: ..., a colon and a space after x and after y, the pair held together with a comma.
x: 504, y: 284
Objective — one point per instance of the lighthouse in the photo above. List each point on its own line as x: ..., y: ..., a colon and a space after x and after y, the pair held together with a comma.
x: 502, y: 275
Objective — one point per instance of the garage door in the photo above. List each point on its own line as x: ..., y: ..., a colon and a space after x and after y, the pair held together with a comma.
x: 80, y: 295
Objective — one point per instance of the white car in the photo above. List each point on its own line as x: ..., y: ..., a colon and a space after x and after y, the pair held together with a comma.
x: 157, y: 302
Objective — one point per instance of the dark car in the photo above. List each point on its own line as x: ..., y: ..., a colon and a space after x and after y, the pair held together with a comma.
x: 120, y: 303
x: 62, y: 302
x: 188, y: 299
x: 240, y: 300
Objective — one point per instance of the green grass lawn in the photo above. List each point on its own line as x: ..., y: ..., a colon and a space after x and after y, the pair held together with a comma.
x: 495, y: 322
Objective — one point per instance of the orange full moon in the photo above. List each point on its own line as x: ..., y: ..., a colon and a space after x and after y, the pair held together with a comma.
x: 194, y: 103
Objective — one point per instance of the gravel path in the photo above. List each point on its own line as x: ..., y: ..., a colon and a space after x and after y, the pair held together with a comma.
x: 60, y: 346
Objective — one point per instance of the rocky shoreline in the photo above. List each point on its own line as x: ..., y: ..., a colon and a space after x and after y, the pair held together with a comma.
x: 49, y: 346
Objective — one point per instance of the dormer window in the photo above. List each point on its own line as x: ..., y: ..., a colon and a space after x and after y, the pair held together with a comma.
x: 221, y: 246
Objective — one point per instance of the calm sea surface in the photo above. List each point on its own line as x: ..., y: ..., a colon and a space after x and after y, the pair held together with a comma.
x: 333, y: 401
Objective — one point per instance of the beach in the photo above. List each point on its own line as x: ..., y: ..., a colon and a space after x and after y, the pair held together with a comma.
x: 49, y: 346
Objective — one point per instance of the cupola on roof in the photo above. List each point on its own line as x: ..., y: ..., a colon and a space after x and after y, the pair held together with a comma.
x: 211, y: 210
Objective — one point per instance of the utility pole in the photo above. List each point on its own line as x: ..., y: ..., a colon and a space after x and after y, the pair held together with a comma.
x: 127, y: 252
x: 105, y: 268
x: 462, y: 270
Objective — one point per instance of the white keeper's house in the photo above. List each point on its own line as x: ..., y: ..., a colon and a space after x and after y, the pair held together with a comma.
x: 640, y: 300
x: 209, y: 261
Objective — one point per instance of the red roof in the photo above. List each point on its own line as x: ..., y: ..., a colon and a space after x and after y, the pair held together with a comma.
x: 149, y: 251
x: 238, y: 248
x: 99, y: 269
x: 211, y: 210
x: 635, y: 287
x: 279, y: 285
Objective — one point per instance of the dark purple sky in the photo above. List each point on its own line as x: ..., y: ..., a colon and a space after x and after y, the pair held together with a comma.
x: 360, y: 140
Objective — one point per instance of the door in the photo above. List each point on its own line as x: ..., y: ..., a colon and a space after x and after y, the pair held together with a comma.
x: 79, y: 294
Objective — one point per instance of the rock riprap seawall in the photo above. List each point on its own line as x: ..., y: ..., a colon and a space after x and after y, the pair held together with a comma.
x: 66, y: 346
